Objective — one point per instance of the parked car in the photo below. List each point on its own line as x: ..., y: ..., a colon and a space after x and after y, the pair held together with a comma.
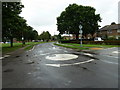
x: 98, y: 39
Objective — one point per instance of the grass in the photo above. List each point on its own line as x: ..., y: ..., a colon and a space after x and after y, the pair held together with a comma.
x: 28, y: 45
x: 84, y: 46
x: 71, y: 46
x: 92, y: 45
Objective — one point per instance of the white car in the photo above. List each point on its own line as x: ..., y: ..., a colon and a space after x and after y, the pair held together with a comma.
x: 98, y: 39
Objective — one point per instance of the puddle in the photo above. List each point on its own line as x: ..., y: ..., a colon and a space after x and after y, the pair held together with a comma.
x: 115, y: 52
x: 40, y: 51
x: 54, y: 48
x: 76, y: 53
x: 65, y: 51
x: 45, y: 54
x: 8, y: 70
x: 30, y: 62
x: 84, y: 67
x: 17, y: 56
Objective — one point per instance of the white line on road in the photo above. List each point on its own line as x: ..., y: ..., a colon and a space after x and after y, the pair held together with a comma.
x: 32, y: 48
x: 59, y: 65
x: 88, y: 54
x: 4, y: 56
x: 1, y: 57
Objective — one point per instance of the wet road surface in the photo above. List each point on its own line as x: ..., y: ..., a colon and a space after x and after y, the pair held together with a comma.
x: 31, y: 69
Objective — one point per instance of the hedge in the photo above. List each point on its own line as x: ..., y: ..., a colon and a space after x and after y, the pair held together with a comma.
x: 106, y: 42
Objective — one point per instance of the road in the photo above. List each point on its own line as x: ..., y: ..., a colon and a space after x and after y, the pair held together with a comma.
x: 39, y: 68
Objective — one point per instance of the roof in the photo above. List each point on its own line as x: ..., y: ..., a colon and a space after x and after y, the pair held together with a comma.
x: 110, y: 27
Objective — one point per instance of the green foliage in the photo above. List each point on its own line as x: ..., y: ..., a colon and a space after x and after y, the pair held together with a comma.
x: 72, y: 46
x: 10, y: 19
x: 106, y: 42
x: 6, y: 47
x: 74, y: 15
x: 14, y: 26
x: 89, y: 45
x: 45, y: 36
x: 111, y: 38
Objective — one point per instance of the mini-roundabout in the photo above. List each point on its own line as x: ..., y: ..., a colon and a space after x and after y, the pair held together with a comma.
x: 60, y: 60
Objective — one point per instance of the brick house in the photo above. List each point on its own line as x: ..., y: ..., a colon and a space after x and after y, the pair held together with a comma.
x: 109, y: 31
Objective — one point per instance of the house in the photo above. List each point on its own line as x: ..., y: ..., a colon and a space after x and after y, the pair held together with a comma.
x: 109, y: 31
x: 70, y: 36
x: 67, y: 36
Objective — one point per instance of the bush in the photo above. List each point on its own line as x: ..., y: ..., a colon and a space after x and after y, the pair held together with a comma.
x: 106, y: 42
x: 111, y: 38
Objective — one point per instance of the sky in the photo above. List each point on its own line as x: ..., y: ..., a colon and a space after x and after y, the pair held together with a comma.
x: 42, y: 14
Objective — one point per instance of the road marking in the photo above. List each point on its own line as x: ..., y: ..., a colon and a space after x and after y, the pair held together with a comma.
x: 54, y: 65
x: 88, y: 54
x: 32, y: 48
x: 1, y: 57
x: 59, y: 65
x: 4, y: 56
x: 61, y: 57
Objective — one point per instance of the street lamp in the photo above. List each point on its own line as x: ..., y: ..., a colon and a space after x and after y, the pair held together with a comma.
x: 23, y: 41
x: 22, y: 38
x: 80, y: 27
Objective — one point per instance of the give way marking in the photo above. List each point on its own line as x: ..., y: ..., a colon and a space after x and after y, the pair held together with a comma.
x: 59, y: 65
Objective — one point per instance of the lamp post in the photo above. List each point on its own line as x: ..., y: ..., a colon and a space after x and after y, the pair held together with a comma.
x: 23, y: 41
x: 80, y: 27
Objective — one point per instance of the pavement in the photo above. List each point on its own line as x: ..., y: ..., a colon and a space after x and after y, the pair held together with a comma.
x: 39, y: 68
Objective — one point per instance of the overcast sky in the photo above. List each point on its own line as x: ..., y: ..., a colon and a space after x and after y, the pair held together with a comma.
x: 41, y: 14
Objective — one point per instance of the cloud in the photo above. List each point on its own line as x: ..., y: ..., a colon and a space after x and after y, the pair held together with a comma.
x: 41, y: 14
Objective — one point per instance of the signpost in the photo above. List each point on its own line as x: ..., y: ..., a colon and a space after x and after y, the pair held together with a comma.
x: 80, y: 27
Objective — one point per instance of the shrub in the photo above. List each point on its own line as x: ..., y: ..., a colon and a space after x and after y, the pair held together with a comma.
x: 106, y: 42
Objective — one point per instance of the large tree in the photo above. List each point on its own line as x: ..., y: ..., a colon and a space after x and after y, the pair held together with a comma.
x: 74, y: 15
x: 45, y: 36
x: 11, y: 19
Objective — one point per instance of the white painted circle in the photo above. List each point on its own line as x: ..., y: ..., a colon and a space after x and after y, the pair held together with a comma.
x: 62, y: 57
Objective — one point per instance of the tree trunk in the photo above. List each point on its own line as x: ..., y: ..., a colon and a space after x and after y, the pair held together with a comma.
x: 11, y: 42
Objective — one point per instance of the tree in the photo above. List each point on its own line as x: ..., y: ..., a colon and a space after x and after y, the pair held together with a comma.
x: 10, y: 19
x: 45, y: 36
x: 74, y: 15
x: 113, y: 23
x: 15, y: 26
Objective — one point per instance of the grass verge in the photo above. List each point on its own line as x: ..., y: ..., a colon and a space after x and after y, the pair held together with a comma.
x: 70, y: 46
x: 6, y: 47
x: 92, y: 45
x: 84, y: 46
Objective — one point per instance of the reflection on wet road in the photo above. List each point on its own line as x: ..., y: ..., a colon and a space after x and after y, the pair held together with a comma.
x: 39, y: 68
